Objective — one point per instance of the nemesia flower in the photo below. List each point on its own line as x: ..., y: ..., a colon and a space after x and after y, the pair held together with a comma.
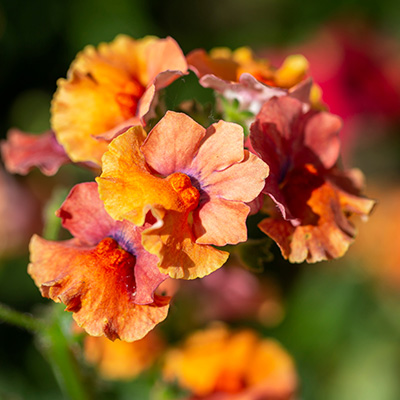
x: 195, y: 181
x: 22, y: 151
x: 234, y: 365
x: 311, y: 198
x: 110, y: 88
x: 239, y: 75
x: 122, y: 360
x: 103, y: 275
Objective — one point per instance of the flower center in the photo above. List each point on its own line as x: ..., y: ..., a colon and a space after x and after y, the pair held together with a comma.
x: 116, y: 257
x: 129, y: 97
x: 182, y: 185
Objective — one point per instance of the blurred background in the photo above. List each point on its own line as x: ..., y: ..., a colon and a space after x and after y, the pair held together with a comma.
x: 339, y: 320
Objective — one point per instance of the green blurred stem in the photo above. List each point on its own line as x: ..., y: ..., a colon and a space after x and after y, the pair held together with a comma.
x: 21, y: 320
x: 65, y: 366
x: 55, y: 347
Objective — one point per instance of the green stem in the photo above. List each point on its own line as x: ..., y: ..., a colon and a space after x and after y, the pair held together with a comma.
x: 21, y: 320
x: 56, y: 347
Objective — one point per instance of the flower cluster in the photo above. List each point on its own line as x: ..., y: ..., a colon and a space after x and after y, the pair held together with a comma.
x: 170, y: 194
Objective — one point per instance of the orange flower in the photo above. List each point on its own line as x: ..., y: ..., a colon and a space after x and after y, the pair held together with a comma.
x: 311, y: 199
x: 195, y: 181
x: 110, y: 88
x: 239, y: 75
x: 121, y: 360
x: 103, y: 275
x: 217, y: 364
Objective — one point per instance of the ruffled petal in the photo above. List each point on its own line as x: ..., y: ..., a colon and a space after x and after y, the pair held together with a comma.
x: 126, y: 186
x: 172, y: 143
x: 242, y: 181
x: 22, y: 152
x: 81, y: 109
x: 220, y: 222
x: 221, y: 147
x: 164, y: 55
x: 325, y: 235
x: 173, y: 242
x: 97, y: 285
x: 83, y: 214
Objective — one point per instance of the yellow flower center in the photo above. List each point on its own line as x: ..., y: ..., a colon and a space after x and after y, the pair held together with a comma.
x: 182, y: 185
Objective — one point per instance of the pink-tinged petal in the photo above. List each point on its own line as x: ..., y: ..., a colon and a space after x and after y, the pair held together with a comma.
x: 251, y: 93
x: 210, y: 157
x: 97, y: 285
x: 172, y: 144
x: 164, y: 55
x: 22, y: 152
x: 327, y: 235
x: 242, y: 181
x: 302, y: 92
x: 147, y: 104
x: 321, y: 135
x: 210, y: 222
x: 173, y: 242
x: 83, y: 214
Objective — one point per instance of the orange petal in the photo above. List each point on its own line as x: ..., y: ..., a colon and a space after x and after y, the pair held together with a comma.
x: 326, y: 236
x: 173, y: 242
x: 221, y: 222
x: 126, y: 186
x: 97, y: 285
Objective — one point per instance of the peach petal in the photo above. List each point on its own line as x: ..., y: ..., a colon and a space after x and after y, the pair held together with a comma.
x: 83, y: 214
x: 22, y: 152
x: 210, y: 157
x: 164, y: 55
x: 234, y: 183
x: 210, y: 222
x: 173, y: 242
x: 321, y: 135
x: 329, y: 237
x: 172, y: 143
x: 126, y: 186
x: 98, y: 294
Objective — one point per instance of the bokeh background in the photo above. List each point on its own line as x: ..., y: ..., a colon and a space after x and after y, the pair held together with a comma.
x: 339, y: 320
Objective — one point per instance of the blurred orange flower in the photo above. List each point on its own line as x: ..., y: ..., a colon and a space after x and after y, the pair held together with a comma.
x: 121, y: 360
x: 110, y: 88
x: 216, y: 364
x: 310, y: 198
x: 239, y: 75
x: 195, y: 181
x: 103, y: 275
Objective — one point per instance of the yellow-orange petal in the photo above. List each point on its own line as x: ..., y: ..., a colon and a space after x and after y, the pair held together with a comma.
x: 172, y: 240
x: 121, y: 360
x: 97, y: 284
x: 234, y: 365
x: 126, y: 186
